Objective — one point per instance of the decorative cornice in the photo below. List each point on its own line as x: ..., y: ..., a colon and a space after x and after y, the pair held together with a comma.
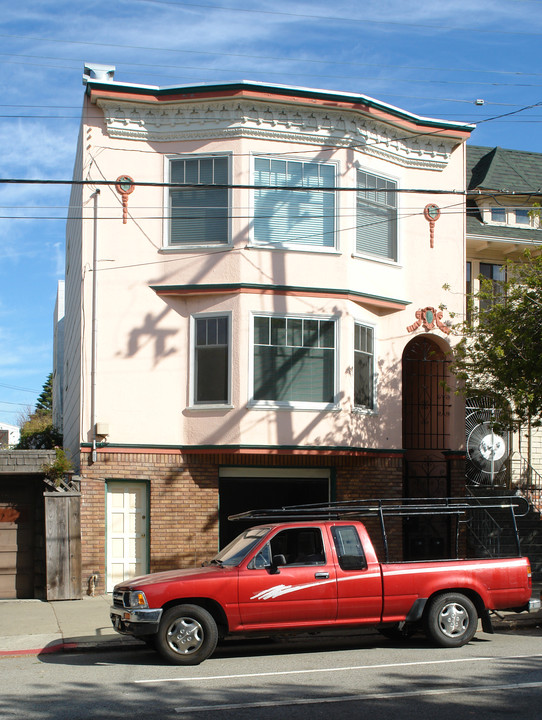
x: 232, y: 118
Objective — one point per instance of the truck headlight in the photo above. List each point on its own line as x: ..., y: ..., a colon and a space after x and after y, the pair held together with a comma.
x: 135, y: 599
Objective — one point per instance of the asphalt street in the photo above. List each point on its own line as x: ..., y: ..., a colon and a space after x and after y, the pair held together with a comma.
x: 356, y: 675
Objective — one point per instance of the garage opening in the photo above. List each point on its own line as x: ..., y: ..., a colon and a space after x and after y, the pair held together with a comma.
x: 241, y: 490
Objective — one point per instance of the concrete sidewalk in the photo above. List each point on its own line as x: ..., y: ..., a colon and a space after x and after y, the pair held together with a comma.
x: 33, y: 627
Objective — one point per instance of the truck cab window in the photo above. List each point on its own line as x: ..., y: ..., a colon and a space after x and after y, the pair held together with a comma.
x: 299, y: 546
x: 349, y: 549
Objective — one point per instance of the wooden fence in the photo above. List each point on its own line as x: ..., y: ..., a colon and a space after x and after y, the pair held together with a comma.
x: 63, y: 545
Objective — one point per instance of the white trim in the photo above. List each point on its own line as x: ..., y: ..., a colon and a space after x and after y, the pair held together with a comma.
x: 333, y: 406
x: 193, y: 405
x: 362, y: 410
x: 358, y: 167
x: 166, y: 225
x: 295, y: 246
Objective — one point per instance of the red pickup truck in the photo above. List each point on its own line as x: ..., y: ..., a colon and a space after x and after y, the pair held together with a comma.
x: 307, y: 575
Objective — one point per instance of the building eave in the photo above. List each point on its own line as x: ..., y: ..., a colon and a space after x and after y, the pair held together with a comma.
x: 373, y: 302
x: 280, y: 93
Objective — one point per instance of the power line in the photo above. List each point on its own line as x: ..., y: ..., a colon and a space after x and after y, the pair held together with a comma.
x: 364, y: 21
x: 282, y: 58
x: 186, y: 186
x: 22, y: 389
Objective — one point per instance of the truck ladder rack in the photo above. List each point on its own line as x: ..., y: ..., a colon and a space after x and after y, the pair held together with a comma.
x: 392, y: 507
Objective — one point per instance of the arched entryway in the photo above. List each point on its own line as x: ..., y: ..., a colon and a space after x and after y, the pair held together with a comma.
x: 426, y: 435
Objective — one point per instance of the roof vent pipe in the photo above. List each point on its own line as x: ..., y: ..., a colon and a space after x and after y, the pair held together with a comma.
x: 101, y: 73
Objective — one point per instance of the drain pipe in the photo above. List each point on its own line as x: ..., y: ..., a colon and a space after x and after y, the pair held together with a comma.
x: 93, y: 329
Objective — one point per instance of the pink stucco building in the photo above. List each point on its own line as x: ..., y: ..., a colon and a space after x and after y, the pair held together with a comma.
x: 254, y: 276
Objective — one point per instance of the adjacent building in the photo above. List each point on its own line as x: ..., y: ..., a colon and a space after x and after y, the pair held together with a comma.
x: 503, y: 220
x: 253, y: 281
x: 9, y: 435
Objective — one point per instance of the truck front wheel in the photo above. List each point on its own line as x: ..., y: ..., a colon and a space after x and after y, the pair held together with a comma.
x: 451, y: 620
x: 187, y: 635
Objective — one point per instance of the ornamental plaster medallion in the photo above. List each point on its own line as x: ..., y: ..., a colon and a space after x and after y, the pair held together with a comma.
x: 429, y: 318
x: 431, y: 213
x: 124, y: 185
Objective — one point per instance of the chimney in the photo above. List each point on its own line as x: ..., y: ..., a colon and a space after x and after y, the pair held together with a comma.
x: 101, y: 73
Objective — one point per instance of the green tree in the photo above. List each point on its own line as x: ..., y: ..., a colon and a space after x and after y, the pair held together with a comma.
x: 45, y: 400
x: 500, y: 353
x: 37, y: 430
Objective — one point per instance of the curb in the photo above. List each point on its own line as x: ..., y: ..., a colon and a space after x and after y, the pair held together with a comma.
x: 73, y: 647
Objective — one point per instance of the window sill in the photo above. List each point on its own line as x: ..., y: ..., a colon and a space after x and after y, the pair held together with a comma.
x: 376, y: 258
x: 168, y: 249
x: 314, y: 407
x: 295, y: 248
x: 211, y: 406
x: 364, y: 411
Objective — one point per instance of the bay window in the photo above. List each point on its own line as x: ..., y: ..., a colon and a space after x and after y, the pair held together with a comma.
x: 198, y: 215
x: 294, y: 203
x: 294, y: 360
x: 376, y: 216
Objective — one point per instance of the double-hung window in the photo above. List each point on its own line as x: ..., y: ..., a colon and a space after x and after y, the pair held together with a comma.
x: 211, y: 360
x: 363, y: 367
x: 376, y: 216
x: 294, y: 360
x: 294, y: 203
x: 198, y: 213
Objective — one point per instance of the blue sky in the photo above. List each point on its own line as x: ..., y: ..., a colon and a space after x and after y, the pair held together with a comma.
x: 430, y: 58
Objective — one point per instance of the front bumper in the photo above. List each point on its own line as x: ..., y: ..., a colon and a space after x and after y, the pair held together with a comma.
x: 138, y: 621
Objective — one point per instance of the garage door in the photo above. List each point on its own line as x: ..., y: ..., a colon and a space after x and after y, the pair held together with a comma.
x: 241, y: 489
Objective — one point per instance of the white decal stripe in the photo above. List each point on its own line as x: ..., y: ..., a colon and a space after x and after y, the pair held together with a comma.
x: 280, y: 590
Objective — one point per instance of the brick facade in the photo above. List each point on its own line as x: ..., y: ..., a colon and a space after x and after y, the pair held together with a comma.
x: 184, y: 498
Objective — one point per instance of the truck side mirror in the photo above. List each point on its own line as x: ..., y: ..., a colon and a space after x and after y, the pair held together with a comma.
x: 277, y: 561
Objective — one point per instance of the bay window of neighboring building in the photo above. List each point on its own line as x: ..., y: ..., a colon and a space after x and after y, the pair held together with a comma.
x: 364, y: 377
x: 294, y: 360
x: 294, y: 204
x: 211, y: 385
x: 376, y: 216
x: 496, y: 274
x: 198, y: 213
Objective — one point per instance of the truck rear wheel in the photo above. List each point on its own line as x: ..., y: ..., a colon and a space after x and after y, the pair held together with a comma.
x: 451, y: 620
x: 187, y: 635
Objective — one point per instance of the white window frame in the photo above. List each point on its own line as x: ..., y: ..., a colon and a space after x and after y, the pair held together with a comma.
x: 391, y: 178
x: 510, y: 217
x: 299, y: 246
x: 526, y: 225
x: 193, y: 404
x: 498, y: 223
x: 363, y: 410
x: 166, y: 231
x: 295, y: 405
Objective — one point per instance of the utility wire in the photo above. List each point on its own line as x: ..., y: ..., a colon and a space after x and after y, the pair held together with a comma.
x: 328, y: 18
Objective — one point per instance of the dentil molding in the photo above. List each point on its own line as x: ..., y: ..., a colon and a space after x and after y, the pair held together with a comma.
x: 272, y: 121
